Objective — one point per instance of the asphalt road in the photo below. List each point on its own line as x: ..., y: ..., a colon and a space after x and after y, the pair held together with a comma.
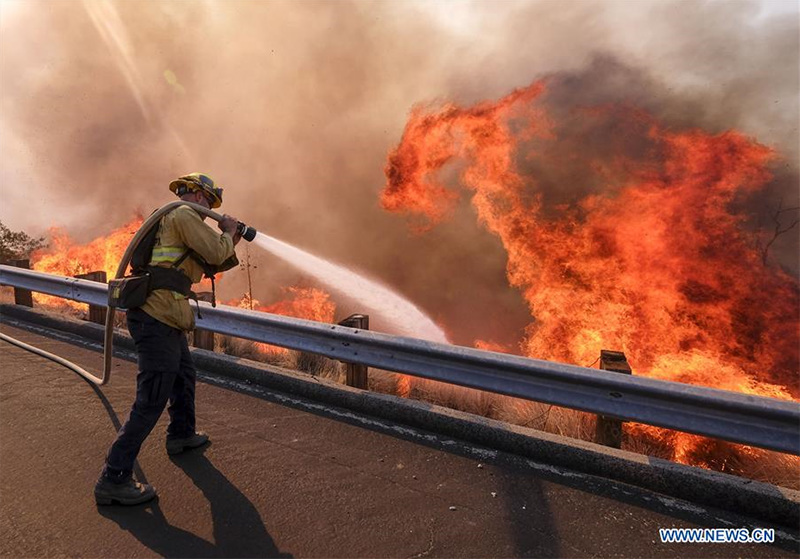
x: 286, y: 477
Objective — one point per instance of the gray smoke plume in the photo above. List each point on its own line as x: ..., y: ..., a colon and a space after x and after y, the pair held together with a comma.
x: 294, y: 106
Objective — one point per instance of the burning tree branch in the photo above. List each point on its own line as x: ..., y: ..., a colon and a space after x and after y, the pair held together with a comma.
x: 779, y: 228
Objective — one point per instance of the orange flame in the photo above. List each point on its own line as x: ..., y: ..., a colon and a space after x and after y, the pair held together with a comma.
x: 66, y: 258
x: 488, y: 345
x: 655, y: 263
x: 309, y: 303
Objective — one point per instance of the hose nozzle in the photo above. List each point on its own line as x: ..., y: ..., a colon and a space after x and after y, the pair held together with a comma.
x: 246, y: 232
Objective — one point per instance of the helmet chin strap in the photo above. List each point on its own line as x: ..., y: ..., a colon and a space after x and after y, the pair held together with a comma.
x: 193, y: 198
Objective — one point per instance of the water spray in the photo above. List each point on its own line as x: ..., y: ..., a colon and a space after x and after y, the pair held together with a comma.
x: 403, y: 316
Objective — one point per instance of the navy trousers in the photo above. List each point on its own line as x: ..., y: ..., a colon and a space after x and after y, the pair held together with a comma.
x: 166, y: 374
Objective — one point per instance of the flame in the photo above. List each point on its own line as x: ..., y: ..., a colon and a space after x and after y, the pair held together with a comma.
x: 693, y: 368
x: 309, y: 303
x: 489, y: 345
x: 652, y: 261
x: 66, y: 258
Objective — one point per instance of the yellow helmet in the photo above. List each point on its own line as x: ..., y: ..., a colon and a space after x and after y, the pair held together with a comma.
x: 198, y: 181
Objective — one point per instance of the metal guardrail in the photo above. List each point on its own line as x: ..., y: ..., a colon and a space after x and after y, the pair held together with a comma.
x: 753, y: 420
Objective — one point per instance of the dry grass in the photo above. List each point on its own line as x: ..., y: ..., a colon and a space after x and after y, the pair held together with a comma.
x: 319, y: 366
x: 384, y: 382
x: 6, y: 295
x: 456, y: 397
x: 247, y: 350
x: 546, y: 417
x: 773, y: 467
x: 645, y: 445
x: 717, y: 455
x: 313, y: 364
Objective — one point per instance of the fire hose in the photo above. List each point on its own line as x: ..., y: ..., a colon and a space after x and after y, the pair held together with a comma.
x: 248, y: 233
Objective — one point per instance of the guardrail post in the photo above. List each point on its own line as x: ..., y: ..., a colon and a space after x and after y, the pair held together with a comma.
x: 356, y: 374
x: 204, y: 339
x: 96, y: 314
x: 609, y: 429
x: 22, y: 296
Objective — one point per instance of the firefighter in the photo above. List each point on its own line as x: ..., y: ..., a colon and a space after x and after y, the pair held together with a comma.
x: 185, y: 247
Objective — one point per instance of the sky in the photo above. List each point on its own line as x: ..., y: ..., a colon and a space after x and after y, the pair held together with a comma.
x: 294, y: 106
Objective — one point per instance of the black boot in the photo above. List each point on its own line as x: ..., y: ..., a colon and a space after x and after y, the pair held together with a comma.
x: 176, y: 445
x: 130, y: 492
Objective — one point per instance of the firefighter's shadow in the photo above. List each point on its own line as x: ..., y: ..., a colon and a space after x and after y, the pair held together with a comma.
x: 238, y: 530
x: 237, y: 525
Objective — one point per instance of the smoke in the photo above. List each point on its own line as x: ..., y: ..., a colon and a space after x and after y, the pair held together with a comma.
x: 293, y: 107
